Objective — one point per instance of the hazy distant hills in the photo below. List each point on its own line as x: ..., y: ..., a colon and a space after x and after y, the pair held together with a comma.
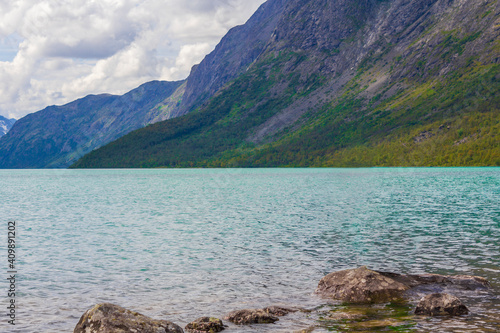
x: 338, y: 83
x: 5, y: 125
x: 302, y: 83
x: 59, y: 135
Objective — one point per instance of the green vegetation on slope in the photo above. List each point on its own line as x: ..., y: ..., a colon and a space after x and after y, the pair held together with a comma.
x: 430, y: 100
x: 455, y: 122
x: 451, y: 123
x: 223, y: 125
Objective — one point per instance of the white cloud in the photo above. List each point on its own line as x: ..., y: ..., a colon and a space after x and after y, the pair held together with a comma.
x: 67, y: 49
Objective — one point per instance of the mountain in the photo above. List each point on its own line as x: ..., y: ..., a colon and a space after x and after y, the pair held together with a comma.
x: 237, y: 50
x: 59, y: 135
x: 38, y: 142
x: 5, y: 125
x: 340, y: 83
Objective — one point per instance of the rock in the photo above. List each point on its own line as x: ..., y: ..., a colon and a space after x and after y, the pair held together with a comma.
x: 278, y: 311
x: 347, y: 314
x: 205, y: 324
x: 110, y: 318
x: 250, y: 316
x: 467, y: 282
x: 360, y: 285
x: 441, y: 305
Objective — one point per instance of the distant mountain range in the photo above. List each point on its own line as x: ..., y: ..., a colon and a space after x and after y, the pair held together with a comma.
x: 310, y: 83
x: 58, y: 136
x: 5, y: 125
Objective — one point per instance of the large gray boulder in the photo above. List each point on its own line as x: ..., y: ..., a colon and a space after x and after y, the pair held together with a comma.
x: 110, y: 318
x: 441, y: 305
x: 360, y: 285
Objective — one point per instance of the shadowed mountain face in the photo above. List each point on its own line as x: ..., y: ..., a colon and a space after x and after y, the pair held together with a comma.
x: 337, y: 83
x: 58, y: 135
x: 5, y: 125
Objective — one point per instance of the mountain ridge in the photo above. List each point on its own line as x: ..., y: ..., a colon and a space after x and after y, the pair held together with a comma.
x: 236, y: 51
x: 342, y: 80
x: 58, y: 135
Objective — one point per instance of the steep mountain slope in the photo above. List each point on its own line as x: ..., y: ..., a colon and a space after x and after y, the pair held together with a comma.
x: 58, y: 135
x: 43, y: 142
x: 236, y: 51
x: 5, y: 125
x: 346, y: 83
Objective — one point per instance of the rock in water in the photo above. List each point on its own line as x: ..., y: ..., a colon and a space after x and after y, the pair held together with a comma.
x: 441, y: 305
x: 250, y: 316
x: 360, y: 285
x: 110, y: 318
x: 205, y: 324
x: 278, y: 311
x: 466, y: 282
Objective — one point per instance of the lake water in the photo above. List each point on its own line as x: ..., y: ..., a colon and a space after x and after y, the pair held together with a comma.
x: 181, y: 244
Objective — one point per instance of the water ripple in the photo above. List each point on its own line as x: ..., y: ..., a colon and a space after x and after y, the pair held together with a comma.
x: 179, y: 244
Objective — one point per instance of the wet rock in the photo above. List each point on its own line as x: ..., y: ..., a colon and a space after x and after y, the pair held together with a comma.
x: 467, y: 282
x: 110, y: 318
x: 278, y: 311
x: 250, y: 316
x: 205, y: 324
x: 351, y: 314
x: 378, y: 324
x: 360, y: 285
x: 441, y: 305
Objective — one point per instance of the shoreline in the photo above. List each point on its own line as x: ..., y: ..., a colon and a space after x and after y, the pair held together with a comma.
x: 393, y: 308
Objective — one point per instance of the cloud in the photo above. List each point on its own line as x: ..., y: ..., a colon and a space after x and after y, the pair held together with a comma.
x: 58, y: 51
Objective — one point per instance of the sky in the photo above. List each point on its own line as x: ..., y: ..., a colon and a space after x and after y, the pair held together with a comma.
x: 55, y: 51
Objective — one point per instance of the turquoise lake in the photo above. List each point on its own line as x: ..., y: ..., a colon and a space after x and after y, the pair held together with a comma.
x: 185, y: 243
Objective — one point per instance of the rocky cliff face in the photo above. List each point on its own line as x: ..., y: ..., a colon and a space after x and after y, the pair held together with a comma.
x: 58, y: 135
x: 239, y: 48
x: 383, y: 43
x: 345, y: 83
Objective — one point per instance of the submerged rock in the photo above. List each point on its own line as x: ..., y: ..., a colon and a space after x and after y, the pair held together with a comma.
x: 205, y: 324
x: 360, y: 285
x: 441, y: 305
x: 467, y: 282
x: 110, y: 318
x: 278, y: 310
x: 250, y: 316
